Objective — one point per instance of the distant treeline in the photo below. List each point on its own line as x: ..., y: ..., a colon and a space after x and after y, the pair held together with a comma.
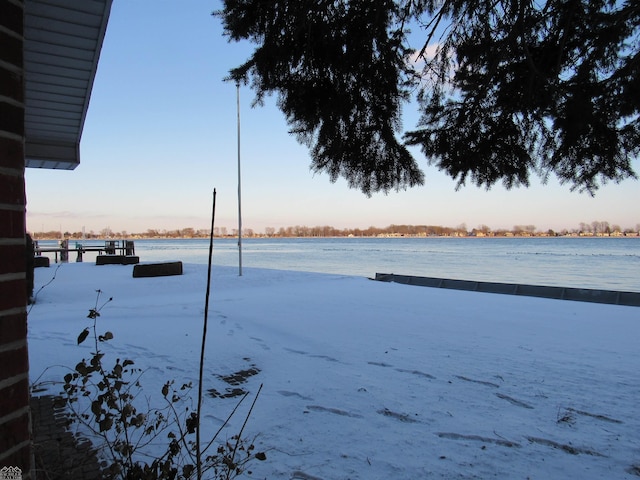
x: 596, y: 228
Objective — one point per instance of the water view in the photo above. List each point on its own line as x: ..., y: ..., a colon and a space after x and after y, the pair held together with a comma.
x: 602, y: 263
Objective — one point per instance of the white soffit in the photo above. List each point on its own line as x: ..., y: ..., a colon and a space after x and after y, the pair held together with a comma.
x: 62, y: 42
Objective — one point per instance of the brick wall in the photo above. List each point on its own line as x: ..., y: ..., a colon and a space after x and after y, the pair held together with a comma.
x: 15, y: 416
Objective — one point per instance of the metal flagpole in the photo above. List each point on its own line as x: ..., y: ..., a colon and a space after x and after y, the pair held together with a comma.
x: 239, y: 186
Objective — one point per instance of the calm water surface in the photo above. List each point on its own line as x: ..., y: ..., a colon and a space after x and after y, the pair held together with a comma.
x: 604, y: 263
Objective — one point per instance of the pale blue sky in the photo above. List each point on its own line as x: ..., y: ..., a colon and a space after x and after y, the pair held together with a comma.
x: 160, y: 135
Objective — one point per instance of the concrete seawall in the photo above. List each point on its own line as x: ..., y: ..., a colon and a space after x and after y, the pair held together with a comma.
x: 559, y: 293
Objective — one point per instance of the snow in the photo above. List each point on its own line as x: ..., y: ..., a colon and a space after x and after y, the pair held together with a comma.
x: 370, y: 380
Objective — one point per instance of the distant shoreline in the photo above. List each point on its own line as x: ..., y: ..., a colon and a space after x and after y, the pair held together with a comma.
x: 390, y: 236
x: 593, y: 229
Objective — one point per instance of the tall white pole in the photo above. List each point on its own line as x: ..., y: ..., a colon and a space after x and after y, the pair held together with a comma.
x: 239, y: 186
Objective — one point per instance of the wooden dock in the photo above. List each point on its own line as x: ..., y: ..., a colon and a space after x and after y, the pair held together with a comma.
x: 125, y: 248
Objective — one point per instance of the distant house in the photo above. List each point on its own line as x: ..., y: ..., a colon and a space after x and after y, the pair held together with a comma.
x: 48, y: 59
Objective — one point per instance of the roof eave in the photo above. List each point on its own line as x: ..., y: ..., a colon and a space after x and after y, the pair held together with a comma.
x: 62, y: 44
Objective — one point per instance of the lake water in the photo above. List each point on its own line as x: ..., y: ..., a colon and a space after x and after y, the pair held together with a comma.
x: 601, y: 263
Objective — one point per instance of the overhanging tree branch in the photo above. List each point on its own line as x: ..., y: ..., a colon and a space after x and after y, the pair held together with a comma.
x: 515, y: 87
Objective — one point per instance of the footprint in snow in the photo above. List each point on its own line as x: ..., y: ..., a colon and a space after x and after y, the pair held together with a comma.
x: 514, y: 401
x: 478, y: 438
x: 416, y: 372
x: 291, y: 350
x: 379, y: 364
x: 285, y: 393
x: 481, y: 382
x: 325, y: 357
x: 403, y: 417
x: 336, y: 411
x: 261, y: 343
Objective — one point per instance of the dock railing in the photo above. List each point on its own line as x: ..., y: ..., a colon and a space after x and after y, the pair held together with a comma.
x: 110, y: 247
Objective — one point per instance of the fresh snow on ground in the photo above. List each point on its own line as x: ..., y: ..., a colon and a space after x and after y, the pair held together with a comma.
x: 370, y: 380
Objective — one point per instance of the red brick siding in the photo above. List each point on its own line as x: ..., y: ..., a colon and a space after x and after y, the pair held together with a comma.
x: 14, y: 362
x: 13, y: 259
x: 12, y: 49
x: 14, y: 396
x: 11, y: 152
x: 12, y: 224
x: 12, y: 192
x: 12, y: 118
x: 12, y: 433
x: 14, y: 295
x: 12, y: 329
x: 11, y: 86
x: 18, y: 458
x: 15, y: 416
x: 11, y: 16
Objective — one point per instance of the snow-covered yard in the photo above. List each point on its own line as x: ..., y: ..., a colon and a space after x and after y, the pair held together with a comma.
x: 371, y: 380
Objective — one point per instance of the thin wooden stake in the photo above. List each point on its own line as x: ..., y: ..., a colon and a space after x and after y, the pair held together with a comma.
x: 204, y: 341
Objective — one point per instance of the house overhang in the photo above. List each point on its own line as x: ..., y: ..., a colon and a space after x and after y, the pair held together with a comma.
x: 62, y: 43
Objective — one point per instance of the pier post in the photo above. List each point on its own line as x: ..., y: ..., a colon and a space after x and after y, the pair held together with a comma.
x: 110, y: 247
x: 64, y: 252
x: 129, y: 248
